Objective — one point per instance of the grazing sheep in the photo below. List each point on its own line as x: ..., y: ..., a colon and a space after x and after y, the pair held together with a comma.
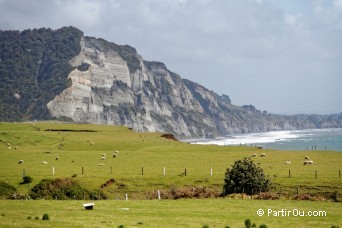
x: 8, y: 144
x: 259, y: 147
x: 57, y: 158
x: 9, y: 147
x: 287, y: 162
x: 16, y: 148
x: 103, y: 155
x: 92, y: 143
x: 307, y: 158
x: 308, y: 162
x: 103, y: 158
x: 263, y: 155
x: 44, y: 162
x: 20, y: 161
x: 100, y: 164
x: 254, y: 155
x: 116, y: 151
x: 114, y: 155
x: 88, y: 140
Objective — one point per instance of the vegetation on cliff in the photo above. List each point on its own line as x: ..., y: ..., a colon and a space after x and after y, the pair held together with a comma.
x: 34, y: 69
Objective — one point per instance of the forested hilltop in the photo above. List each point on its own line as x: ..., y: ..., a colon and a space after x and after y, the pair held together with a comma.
x: 62, y: 74
x: 34, y: 69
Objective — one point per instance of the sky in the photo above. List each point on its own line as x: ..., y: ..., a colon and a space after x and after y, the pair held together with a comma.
x: 282, y: 56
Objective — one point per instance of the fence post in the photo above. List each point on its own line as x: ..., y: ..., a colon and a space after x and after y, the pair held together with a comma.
x: 53, y: 170
x: 289, y: 173
x: 316, y: 174
x: 142, y: 170
x: 111, y: 170
x: 164, y: 172
x: 158, y: 194
x: 339, y: 173
x: 23, y: 173
x: 211, y: 172
x: 82, y: 170
x: 185, y: 172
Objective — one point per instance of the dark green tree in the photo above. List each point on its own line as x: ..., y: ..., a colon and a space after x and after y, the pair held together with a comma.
x: 245, y: 176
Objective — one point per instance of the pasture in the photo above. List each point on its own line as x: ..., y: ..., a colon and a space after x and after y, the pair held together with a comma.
x: 148, y: 162
x: 166, y: 213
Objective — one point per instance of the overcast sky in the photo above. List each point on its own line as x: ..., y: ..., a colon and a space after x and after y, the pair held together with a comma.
x: 283, y: 56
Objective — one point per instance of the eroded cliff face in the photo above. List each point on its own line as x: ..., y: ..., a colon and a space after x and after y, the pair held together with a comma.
x: 112, y: 84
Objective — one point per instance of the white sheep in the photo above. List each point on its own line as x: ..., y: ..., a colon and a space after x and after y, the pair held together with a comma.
x: 287, y: 162
x: 254, y: 155
x: 92, y: 143
x: 44, y: 162
x: 263, y: 155
x: 16, y: 148
x: 88, y: 140
x: 8, y: 144
x: 20, y: 161
x: 103, y: 158
x: 57, y: 158
x: 307, y: 158
x: 103, y: 155
x: 116, y: 151
x: 308, y: 162
x: 100, y: 164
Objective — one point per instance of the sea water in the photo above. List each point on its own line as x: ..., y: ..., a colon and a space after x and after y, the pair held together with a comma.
x: 311, y: 139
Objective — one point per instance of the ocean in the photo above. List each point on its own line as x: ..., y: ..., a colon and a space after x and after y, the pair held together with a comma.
x: 309, y: 139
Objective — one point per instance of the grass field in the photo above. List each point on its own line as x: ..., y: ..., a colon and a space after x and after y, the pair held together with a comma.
x: 82, y: 145
x: 168, y: 213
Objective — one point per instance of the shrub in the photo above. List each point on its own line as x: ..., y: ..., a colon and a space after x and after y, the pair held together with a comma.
x: 121, y: 226
x: 245, y: 176
x: 29, y: 217
x: 36, y: 218
x: 63, y: 188
x: 45, y: 217
x: 248, y: 223
x: 205, y: 226
x: 27, y: 179
x: 262, y: 226
x: 6, y: 190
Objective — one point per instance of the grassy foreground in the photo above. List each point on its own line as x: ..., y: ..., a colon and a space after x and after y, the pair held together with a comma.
x: 80, y: 148
x: 167, y: 213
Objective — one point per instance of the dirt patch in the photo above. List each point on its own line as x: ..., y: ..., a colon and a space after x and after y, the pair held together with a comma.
x: 169, y: 136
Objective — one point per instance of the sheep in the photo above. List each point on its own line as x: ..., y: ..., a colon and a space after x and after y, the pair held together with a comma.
x: 114, y: 155
x: 308, y: 162
x: 116, y: 151
x: 287, y: 162
x: 9, y: 147
x: 103, y: 158
x: 103, y: 155
x: 100, y: 164
x: 20, y: 161
x: 44, y: 162
x: 16, y: 148
x: 91, y: 143
x: 8, y: 144
x: 57, y: 158
x: 307, y: 158
x: 254, y: 155
x: 263, y: 155
x: 88, y: 140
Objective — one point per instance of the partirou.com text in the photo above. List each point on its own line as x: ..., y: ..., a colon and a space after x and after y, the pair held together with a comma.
x: 291, y: 213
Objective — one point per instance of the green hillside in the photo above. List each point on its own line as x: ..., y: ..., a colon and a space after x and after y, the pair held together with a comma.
x: 138, y: 169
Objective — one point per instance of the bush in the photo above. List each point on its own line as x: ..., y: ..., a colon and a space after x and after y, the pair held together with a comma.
x: 248, y: 223
x: 27, y: 179
x: 45, y: 217
x: 63, y: 188
x: 246, y: 177
x: 6, y: 190
x: 262, y: 226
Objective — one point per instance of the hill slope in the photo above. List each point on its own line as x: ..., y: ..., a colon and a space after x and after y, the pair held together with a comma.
x: 63, y: 74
